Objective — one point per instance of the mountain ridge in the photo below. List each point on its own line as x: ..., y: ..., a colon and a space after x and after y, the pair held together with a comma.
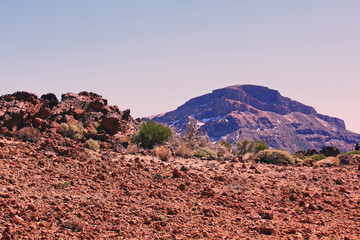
x: 256, y: 112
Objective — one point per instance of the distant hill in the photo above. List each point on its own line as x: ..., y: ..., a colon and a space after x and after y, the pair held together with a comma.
x: 254, y: 112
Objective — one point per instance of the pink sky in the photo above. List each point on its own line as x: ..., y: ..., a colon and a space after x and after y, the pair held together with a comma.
x: 153, y: 56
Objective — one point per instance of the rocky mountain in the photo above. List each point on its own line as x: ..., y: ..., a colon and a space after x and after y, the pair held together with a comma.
x: 254, y: 112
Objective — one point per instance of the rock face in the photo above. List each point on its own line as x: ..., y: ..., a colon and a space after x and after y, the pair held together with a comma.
x: 23, y: 110
x: 254, y: 112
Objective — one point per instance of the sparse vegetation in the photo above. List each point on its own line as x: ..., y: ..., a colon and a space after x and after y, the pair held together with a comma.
x: 72, y: 130
x: 327, y: 162
x: 226, y: 144
x: 163, y: 153
x: 351, y: 153
x: 244, y: 147
x: 275, y: 157
x: 184, y: 151
x: 318, y: 157
x: 206, y: 153
x: 93, y: 144
x: 260, y: 145
x: 62, y: 185
x: 151, y: 134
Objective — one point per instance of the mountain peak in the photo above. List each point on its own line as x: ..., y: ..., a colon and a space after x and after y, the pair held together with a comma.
x: 255, y: 112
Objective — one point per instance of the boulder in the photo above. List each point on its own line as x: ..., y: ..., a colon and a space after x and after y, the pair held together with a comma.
x: 50, y: 100
x: 26, y: 97
x: 330, y: 151
x: 112, y: 123
x: 126, y: 114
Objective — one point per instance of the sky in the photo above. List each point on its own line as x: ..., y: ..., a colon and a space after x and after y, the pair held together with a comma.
x: 153, y: 56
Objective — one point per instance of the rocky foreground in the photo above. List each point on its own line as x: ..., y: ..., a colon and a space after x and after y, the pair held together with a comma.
x: 78, y: 193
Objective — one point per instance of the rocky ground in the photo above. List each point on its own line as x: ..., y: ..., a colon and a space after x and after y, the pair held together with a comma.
x: 68, y: 192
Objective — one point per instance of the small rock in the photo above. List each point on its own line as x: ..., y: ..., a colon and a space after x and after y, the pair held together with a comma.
x: 268, y: 230
x: 176, y: 173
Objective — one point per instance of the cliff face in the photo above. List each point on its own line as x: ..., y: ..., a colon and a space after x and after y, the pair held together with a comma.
x: 254, y: 112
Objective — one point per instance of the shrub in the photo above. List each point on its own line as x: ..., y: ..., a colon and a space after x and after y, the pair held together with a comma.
x: 351, y: 153
x: 327, y: 162
x: 205, y: 152
x: 226, y: 144
x: 132, y: 149
x: 275, y: 157
x: 72, y: 130
x: 260, y: 145
x: 93, y: 144
x: 318, y: 157
x: 244, y: 147
x: 62, y: 185
x: 184, y: 151
x: 163, y: 153
x: 151, y: 134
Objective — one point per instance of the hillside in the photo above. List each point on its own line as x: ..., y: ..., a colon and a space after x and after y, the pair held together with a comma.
x: 70, y: 169
x: 254, y: 112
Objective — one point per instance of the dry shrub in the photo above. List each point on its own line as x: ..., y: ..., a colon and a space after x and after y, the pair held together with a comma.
x: 328, y: 162
x: 93, y: 144
x: 193, y: 138
x: 184, y: 151
x: 163, y: 153
x: 132, y: 149
x: 72, y: 130
x: 223, y: 153
x: 205, y: 153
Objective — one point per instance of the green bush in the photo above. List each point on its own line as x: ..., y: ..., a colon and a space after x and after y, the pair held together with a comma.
x: 72, y: 130
x: 318, y: 157
x: 275, y: 157
x: 351, y: 153
x: 205, y: 152
x: 260, y: 145
x: 93, y: 144
x: 151, y: 134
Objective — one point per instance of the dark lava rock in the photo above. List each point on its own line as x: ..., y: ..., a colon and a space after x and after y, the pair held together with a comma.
x: 330, y: 151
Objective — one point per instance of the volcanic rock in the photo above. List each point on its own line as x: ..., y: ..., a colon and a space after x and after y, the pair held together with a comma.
x: 24, y: 110
x: 330, y: 151
x: 357, y: 147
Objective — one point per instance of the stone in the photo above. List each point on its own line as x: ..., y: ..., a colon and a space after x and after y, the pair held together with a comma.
x: 43, y: 113
x: 40, y: 123
x: 357, y: 147
x: 126, y: 114
x: 112, y: 123
x: 50, y: 100
x: 330, y: 151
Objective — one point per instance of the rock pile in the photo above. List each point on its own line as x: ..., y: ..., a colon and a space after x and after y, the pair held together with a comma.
x: 25, y: 114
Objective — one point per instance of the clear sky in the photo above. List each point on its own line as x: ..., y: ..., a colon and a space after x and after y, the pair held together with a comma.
x: 152, y: 56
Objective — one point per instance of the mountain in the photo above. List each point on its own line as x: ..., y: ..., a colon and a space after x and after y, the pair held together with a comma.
x: 255, y: 112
